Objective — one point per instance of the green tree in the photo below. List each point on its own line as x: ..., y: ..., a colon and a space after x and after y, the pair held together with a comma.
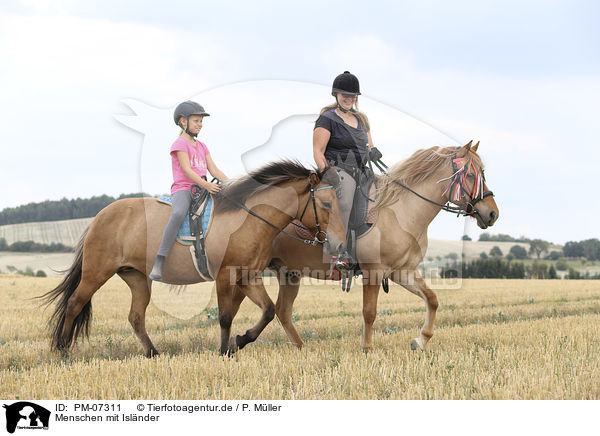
x: 573, y: 249
x: 466, y: 237
x: 591, y: 249
x: 537, y: 247
x: 495, y: 251
x: 518, y: 251
x: 562, y: 265
x: 555, y: 255
x: 452, y: 256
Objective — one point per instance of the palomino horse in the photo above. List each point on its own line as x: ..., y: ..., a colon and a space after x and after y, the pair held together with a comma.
x: 411, y: 194
x: 124, y: 237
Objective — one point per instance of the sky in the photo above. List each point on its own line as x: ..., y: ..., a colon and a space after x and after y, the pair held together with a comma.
x: 88, y: 90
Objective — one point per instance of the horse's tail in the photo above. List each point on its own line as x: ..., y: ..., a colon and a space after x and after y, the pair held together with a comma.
x: 63, y: 292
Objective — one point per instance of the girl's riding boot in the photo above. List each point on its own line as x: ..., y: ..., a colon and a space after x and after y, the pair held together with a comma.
x: 157, y: 270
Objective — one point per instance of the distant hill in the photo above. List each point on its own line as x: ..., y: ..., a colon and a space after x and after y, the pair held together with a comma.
x: 66, y: 232
x: 60, y: 210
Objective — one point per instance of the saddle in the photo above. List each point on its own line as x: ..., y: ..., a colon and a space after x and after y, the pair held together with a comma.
x: 192, y: 231
x: 198, y: 208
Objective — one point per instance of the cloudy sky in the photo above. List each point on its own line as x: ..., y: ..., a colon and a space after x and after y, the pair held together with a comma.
x: 521, y: 77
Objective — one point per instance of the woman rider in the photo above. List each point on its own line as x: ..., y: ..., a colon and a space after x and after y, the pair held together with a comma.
x: 342, y: 142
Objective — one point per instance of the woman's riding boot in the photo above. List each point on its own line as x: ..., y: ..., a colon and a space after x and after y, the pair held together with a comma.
x: 157, y: 270
x: 344, y: 262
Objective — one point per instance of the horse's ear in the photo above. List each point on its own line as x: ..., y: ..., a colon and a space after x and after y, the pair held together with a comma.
x: 474, y: 148
x: 464, y: 150
x: 314, y: 179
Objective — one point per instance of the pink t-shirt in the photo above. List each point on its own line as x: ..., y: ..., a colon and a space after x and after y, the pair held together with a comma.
x: 197, y: 156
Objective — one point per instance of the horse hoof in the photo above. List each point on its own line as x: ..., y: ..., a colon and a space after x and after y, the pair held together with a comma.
x: 152, y: 353
x: 233, y: 346
x: 416, y: 345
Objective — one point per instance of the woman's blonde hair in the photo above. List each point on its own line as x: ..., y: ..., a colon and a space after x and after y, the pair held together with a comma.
x: 363, y: 118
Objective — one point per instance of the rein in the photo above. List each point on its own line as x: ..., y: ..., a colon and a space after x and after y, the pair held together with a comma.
x: 319, y: 238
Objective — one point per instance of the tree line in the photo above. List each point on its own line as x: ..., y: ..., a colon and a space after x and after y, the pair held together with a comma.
x: 590, y: 249
x: 496, y: 268
x: 501, y: 238
x: 30, y: 246
x: 63, y: 209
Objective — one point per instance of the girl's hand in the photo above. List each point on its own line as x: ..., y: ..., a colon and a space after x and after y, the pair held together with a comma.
x: 213, y: 188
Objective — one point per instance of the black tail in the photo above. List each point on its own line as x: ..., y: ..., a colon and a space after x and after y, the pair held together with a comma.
x: 63, y: 292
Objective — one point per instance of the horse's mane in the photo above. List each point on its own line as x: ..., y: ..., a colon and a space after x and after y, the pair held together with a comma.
x: 259, y: 180
x: 414, y: 170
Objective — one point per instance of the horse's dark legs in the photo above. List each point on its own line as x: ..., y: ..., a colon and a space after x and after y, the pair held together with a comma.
x: 370, y: 294
x: 225, y: 302
x: 285, y: 300
x: 258, y: 294
x: 140, y: 298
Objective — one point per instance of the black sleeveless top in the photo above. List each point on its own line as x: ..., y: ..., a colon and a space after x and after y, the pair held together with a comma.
x: 347, y: 144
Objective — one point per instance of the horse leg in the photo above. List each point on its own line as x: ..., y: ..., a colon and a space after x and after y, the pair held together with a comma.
x: 140, y: 298
x: 283, y: 308
x: 258, y: 294
x: 414, y: 283
x: 238, y: 297
x: 370, y: 294
x: 225, y: 302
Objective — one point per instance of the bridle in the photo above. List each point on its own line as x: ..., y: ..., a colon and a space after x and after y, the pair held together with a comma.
x: 457, y: 190
x: 319, y: 238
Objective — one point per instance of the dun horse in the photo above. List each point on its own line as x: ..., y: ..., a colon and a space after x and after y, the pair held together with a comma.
x: 124, y: 237
x: 397, y: 243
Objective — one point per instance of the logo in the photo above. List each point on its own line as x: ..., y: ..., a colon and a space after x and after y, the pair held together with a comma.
x: 26, y: 415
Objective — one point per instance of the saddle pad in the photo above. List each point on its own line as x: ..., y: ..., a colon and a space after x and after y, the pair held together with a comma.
x: 184, y: 234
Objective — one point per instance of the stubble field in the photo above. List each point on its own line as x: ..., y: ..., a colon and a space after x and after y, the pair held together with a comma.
x: 494, y: 339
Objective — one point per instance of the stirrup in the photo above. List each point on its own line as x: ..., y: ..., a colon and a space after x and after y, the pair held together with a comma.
x: 343, y: 262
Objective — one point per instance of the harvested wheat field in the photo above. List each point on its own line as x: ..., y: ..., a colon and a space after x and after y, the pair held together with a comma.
x: 494, y: 339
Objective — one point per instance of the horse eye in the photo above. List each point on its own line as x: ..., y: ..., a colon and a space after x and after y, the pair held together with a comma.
x: 326, y: 205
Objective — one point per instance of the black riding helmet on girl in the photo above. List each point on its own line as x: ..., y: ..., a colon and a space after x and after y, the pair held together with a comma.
x: 186, y: 110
